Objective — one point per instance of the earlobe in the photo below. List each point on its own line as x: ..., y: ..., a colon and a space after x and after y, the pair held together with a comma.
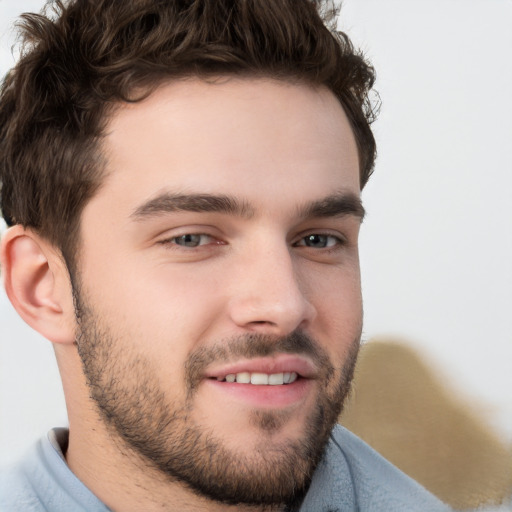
x: 37, y: 284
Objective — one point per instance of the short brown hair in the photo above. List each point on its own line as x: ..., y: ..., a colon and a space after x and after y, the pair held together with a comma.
x: 83, y: 57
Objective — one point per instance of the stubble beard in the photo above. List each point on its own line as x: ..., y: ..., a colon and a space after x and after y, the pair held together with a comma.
x: 163, y: 434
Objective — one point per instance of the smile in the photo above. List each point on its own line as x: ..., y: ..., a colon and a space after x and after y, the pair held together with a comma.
x: 282, y: 381
x: 260, y: 379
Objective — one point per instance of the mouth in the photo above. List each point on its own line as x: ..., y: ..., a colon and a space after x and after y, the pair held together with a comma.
x: 282, y: 369
x: 282, y: 381
x: 259, y: 379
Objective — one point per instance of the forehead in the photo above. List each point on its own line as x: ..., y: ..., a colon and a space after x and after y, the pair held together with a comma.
x: 250, y: 138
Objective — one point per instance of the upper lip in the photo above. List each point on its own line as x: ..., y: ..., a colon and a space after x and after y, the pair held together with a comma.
x: 281, y: 363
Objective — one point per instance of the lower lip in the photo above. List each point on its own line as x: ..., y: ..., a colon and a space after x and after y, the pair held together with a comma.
x: 264, y: 396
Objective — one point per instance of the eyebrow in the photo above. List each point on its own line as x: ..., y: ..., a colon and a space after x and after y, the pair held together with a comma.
x: 336, y: 205
x: 169, y: 203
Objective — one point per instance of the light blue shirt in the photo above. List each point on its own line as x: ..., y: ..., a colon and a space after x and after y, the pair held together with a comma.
x: 352, y: 477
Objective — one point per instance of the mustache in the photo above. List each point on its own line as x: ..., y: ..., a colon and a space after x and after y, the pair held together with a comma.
x: 252, y: 345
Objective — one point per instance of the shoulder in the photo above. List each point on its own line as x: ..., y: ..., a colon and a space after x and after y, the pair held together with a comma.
x: 378, y: 484
x: 17, y: 491
x: 375, y: 483
x: 42, y: 482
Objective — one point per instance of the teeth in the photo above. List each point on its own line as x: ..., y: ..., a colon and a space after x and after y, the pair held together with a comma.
x: 261, y: 379
x: 243, y: 378
x: 288, y: 378
x: 276, y: 379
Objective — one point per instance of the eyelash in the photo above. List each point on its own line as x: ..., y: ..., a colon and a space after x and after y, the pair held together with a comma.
x: 337, y: 241
x: 302, y: 242
x: 172, y: 240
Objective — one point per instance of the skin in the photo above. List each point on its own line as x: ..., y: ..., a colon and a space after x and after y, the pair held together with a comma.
x: 272, y: 147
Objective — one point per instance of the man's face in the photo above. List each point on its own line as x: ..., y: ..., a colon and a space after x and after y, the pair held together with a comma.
x: 219, y: 301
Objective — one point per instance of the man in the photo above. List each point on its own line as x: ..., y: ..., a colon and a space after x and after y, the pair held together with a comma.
x: 182, y: 181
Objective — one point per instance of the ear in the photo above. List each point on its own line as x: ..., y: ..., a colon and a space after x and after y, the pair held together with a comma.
x: 37, y: 283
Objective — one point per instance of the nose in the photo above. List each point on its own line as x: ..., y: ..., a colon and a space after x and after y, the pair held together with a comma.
x: 268, y: 296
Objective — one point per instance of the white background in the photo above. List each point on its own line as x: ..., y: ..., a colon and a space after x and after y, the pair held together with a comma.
x: 436, y: 247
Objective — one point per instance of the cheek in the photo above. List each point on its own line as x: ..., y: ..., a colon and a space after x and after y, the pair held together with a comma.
x: 181, y: 307
x: 155, y: 294
x: 158, y: 312
x: 338, y: 304
x: 186, y: 296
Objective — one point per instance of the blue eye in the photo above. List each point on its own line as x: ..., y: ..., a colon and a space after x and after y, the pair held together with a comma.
x: 317, y: 241
x: 191, y: 240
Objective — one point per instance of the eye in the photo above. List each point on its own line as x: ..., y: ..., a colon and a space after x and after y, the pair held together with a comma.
x: 191, y: 240
x: 319, y: 241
